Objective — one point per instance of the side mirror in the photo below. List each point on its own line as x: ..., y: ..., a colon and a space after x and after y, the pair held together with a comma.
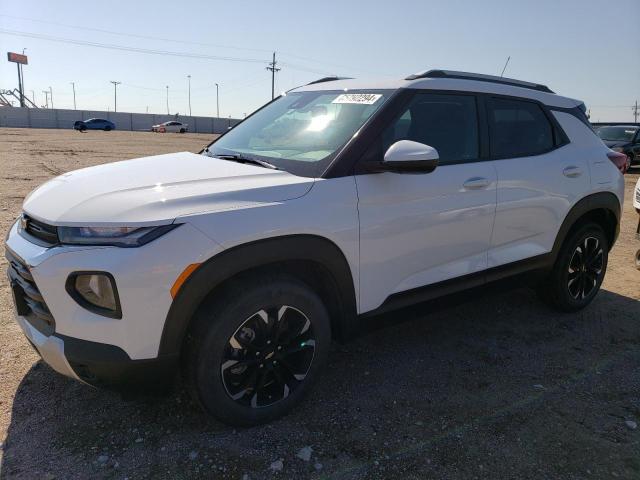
x: 410, y: 157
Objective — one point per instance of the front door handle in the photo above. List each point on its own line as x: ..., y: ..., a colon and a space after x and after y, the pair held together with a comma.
x: 572, y: 172
x: 476, y: 183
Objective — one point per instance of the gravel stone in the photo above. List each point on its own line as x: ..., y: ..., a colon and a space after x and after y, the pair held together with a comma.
x: 277, y: 466
x: 305, y: 453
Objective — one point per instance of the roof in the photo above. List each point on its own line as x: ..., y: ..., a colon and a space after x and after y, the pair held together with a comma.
x: 450, y: 80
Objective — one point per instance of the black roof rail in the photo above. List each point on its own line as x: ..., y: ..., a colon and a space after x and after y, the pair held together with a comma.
x: 332, y: 78
x: 481, y: 78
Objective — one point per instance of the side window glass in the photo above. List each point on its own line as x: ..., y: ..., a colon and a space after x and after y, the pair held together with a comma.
x: 448, y: 123
x: 518, y: 129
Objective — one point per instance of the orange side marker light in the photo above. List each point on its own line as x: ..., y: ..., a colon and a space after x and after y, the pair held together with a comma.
x: 186, y: 273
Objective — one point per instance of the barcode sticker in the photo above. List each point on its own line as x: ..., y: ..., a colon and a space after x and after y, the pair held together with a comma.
x: 359, y: 98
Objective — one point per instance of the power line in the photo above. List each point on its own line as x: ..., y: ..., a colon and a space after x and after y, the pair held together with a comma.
x: 134, y: 35
x: 174, y: 41
x: 127, y: 48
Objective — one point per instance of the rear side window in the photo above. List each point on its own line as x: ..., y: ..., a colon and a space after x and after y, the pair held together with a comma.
x: 518, y: 129
x: 448, y: 123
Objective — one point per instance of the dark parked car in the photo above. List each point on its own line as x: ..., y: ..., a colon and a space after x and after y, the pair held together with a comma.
x: 94, y: 124
x: 623, y: 139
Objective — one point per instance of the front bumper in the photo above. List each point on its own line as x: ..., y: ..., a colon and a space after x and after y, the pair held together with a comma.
x: 99, y: 364
x: 50, y: 348
x: 101, y: 351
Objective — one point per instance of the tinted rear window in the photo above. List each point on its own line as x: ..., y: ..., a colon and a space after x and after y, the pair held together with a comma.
x: 518, y: 129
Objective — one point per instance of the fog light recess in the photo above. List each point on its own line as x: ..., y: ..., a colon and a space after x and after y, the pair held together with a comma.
x: 95, y: 291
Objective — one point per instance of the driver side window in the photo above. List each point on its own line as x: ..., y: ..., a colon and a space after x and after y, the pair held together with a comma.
x: 448, y: 123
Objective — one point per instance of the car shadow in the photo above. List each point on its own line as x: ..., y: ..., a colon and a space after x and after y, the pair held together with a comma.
x: 489, y: 382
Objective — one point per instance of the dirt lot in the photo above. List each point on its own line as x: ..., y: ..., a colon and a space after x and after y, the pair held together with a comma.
x: 491, y: 384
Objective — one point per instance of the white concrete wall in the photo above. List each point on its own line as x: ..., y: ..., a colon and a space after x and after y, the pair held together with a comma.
x: 58, y: 118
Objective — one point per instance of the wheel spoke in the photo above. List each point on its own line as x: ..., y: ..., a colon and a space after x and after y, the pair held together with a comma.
x: 259, y: 383
x: 298, y: 348
x: 277, y: 373
x: 246, y: 386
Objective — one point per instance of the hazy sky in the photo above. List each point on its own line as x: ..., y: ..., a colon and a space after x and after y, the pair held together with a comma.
x: 585, y: 49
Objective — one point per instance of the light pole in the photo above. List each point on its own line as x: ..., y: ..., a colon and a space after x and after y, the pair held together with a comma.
x: 189, y: 79
x: 115, y: 94
x: 46, y: 98
x: 33, y: 96
x: 167, y: 99
x: 73, y: 84
x: 217, y: 102
x: 21, y: 66
x: 51, y: 95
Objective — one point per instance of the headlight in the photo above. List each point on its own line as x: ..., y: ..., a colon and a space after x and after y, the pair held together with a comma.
x: 618, y: 149
x: 95, y: 291
x: 115, y: 236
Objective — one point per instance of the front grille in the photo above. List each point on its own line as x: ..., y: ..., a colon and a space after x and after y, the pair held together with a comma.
x: 29, y: 301
x: 46, y: 234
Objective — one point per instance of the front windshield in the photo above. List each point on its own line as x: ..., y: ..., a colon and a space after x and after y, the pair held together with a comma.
x: 617, y: 134
x: 301, y: 132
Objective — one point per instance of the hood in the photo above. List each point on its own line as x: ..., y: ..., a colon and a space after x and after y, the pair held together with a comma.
x: 155, y: 190
x: 615, y: 143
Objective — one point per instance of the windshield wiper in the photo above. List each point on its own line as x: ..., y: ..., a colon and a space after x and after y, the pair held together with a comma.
x: 234, y: 157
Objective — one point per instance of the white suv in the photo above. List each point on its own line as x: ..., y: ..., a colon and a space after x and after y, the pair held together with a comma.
x: 236, y: 267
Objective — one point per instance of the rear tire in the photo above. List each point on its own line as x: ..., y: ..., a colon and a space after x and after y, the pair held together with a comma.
x: 579, y: 270
x: 255, y: 350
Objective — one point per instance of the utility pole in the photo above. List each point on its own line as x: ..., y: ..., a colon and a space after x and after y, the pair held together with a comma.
x: 167, y: 99
x: 636, y: 112
x: 189, y: 78
x: 46, y: 98
x: 73, y: 84
x: 115, y: 94
x: 33, y: 96
x: 272, y: 67
x: 217, y: 102
x: 51, y: 95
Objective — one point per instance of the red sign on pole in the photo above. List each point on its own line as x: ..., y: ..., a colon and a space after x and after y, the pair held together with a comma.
x: 17, y: 58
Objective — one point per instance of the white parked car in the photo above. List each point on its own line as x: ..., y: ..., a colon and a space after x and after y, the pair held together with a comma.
x: 172, y: 126
x: 339, y: 200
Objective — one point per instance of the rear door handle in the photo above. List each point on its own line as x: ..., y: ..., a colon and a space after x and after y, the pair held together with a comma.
x: 572, y: 172
x: 476, y: 183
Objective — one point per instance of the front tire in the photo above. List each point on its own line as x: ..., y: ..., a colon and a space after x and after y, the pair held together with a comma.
x: 579, y: 270
x: 256, y: 349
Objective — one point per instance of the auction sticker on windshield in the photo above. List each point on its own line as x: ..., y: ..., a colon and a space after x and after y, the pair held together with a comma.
x: 359, y: 98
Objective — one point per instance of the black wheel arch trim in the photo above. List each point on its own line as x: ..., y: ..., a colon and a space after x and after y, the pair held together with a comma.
x: 597, y: 201
x: 261, y: 253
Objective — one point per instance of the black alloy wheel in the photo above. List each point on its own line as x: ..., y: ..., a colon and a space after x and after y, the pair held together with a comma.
x: 585, y: 268
x: 578, y: 271
x: 268, y: 357
x: 256, y: 348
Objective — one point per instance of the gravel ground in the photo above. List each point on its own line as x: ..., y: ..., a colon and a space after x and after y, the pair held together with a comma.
x: 488, y: 384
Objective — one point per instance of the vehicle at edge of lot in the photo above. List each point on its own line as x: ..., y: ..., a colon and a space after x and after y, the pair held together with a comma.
x: 636, y: 205
x: 623, y: 139
x: 172, y: 126
x: 339, y: 200
x: 94, y: 124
